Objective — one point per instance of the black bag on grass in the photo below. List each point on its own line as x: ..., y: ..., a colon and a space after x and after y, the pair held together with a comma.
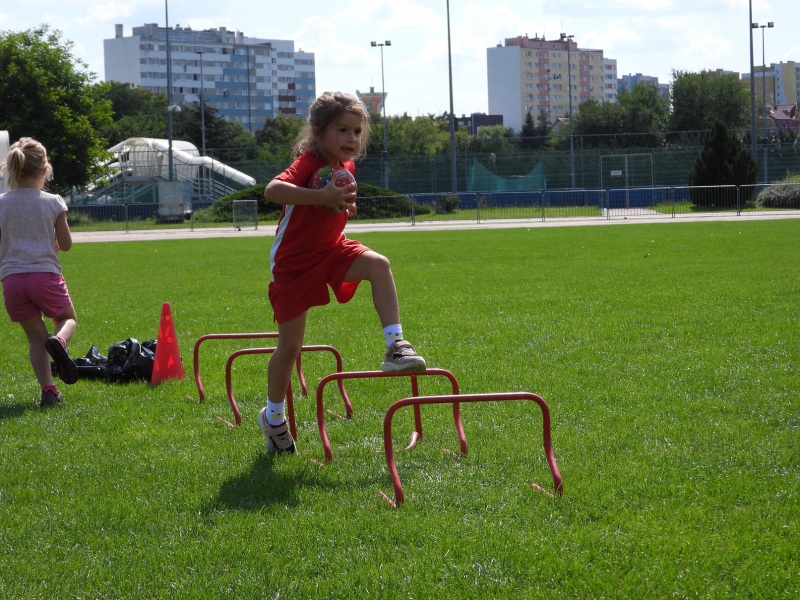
x: 128, y: 360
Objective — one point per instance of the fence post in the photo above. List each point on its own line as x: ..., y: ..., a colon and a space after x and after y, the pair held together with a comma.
x: 412, y: 200
x: 541, y: 202
x: 191, y: 217
x: 477, y: 208
x: 672, y: 197
x: 125, y: 212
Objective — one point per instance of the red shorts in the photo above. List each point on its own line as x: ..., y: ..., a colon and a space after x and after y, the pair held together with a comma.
x: 293, y: 293
x: 29, y: 295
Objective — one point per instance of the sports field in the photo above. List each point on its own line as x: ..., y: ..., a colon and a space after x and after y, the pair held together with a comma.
x: 667, y: 353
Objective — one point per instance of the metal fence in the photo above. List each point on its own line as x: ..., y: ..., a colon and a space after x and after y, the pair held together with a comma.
x: 538, y: 205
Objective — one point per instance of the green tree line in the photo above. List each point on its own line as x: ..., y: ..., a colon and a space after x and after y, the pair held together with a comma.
x: 47, y: 93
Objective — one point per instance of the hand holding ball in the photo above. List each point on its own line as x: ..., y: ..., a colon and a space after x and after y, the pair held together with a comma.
x: 342, y: 178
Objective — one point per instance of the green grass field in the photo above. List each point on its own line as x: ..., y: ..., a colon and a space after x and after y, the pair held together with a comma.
x: 667, y: 353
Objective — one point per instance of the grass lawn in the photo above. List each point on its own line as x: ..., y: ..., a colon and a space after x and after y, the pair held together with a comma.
x: 667, y: 353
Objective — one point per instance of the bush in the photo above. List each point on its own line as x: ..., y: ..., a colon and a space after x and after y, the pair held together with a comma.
x: 447, y: 205
x: 785, y: 194
x: 373, y: 203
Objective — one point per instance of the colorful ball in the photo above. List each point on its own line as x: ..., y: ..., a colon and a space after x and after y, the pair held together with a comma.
x: 321, y: 178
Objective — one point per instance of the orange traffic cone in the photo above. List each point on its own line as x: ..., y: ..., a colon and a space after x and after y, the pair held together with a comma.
x: 167, y: 363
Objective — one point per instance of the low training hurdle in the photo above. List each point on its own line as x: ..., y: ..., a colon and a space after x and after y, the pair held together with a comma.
x: 289, y: 400
x: 236, y: 336
x: 417, y: 435
x: 455, y: 400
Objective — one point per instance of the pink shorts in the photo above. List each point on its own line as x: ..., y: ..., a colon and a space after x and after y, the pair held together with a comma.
x: 292, y: 294
x: 29, y: 295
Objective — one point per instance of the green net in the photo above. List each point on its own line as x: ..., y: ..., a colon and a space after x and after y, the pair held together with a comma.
x: 482, y: 179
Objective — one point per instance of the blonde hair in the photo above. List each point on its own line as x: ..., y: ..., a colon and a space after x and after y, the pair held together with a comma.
x: 324, y: 111
x: 27, y: 158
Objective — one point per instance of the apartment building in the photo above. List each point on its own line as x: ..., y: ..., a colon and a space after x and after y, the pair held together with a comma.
x: 552, y: 76
x: 245, y: 79
x: 628, y: 82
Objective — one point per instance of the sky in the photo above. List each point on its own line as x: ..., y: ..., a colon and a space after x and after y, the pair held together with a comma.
x: 652, y: 37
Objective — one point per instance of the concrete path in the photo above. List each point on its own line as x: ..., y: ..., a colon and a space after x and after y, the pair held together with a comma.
x: 353, y: 228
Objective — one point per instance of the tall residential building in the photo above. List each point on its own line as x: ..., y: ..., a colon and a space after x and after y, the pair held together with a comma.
x: 627, y: 83
x: 537, y: 75
x: 246, y: 79
x: 787, y: 82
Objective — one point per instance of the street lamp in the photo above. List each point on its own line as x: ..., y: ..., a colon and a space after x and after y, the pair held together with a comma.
x: 170, y: 106
x: 385, y: 156
x: 764, y: 73
x: 202, y: 108
x: 453, y: 172
x: 568, y: 39
x: 752, y: 89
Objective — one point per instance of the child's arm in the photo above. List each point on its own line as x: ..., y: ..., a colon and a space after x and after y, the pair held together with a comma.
x: 63, y: 234
x: 337, y: 199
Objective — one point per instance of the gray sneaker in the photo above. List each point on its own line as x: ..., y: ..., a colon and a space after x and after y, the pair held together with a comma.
x: 401, y: 357
x: 278, y: 437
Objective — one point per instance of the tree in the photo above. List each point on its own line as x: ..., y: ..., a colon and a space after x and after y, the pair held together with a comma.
x: 136, y: 112
x: 44, y: 94
x: 278, y: 135
x: 636, y: 119
x: 700, y: 99
x: 723, y: 161
x: 229, y: 140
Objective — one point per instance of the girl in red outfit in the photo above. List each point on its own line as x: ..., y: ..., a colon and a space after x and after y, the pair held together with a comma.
x: 310, y: 252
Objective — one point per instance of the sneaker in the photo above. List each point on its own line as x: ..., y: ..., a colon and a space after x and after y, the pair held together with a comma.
x: 50, y: 398
x: 278, y: 437
x: 401, y: 357
x: 65, y: 367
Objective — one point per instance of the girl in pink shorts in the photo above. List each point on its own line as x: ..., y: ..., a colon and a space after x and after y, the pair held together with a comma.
x: 33, y: 228
x: 311, y: 254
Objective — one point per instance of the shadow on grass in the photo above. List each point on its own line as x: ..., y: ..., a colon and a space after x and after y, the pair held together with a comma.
x: 14, y: 411
x: 264, y: 484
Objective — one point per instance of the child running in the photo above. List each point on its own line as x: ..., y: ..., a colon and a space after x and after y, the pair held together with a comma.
x: 33, y: 228
x: 310, y: 253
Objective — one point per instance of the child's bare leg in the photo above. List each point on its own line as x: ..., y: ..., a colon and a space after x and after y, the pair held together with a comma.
x: 375, y: 268
x: 36, y: 332
x: 65, y: 324
x: 271, y: 418
x: 281, y: 362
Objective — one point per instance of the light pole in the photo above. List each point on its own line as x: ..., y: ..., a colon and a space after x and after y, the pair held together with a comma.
x: 568, y: 39
x: 453, y: 171
x: 385, y: 155
x: 170, y: 106
x: 202, y: 108
x: 752, y: 89
x: 764, y: 74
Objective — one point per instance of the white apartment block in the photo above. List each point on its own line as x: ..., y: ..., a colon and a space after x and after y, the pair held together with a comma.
x: 245, y: 79
x: 537, y: 75
x: 627, y: 83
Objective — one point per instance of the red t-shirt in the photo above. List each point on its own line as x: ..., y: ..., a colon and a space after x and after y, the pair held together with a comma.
x: 305, y: 233
x: 310, y: 252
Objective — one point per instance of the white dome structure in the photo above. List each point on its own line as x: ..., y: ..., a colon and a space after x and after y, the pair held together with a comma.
x: 149, y: 158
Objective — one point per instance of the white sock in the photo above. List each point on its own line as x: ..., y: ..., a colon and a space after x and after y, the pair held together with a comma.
x: 392, y: 333
x: 275, y: 414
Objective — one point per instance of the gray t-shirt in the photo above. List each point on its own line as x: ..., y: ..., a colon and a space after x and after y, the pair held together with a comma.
x: 27, y: 232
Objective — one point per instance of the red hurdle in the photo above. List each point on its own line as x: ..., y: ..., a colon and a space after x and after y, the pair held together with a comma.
x: 417, y: 435
x: 455, y: 400
x: 236, y: 336
x: 289, y: 400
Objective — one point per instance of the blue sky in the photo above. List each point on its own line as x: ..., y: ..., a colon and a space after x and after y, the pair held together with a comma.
x: 651, y: 37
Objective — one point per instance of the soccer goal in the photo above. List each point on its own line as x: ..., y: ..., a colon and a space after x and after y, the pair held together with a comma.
x: 245, y: 214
